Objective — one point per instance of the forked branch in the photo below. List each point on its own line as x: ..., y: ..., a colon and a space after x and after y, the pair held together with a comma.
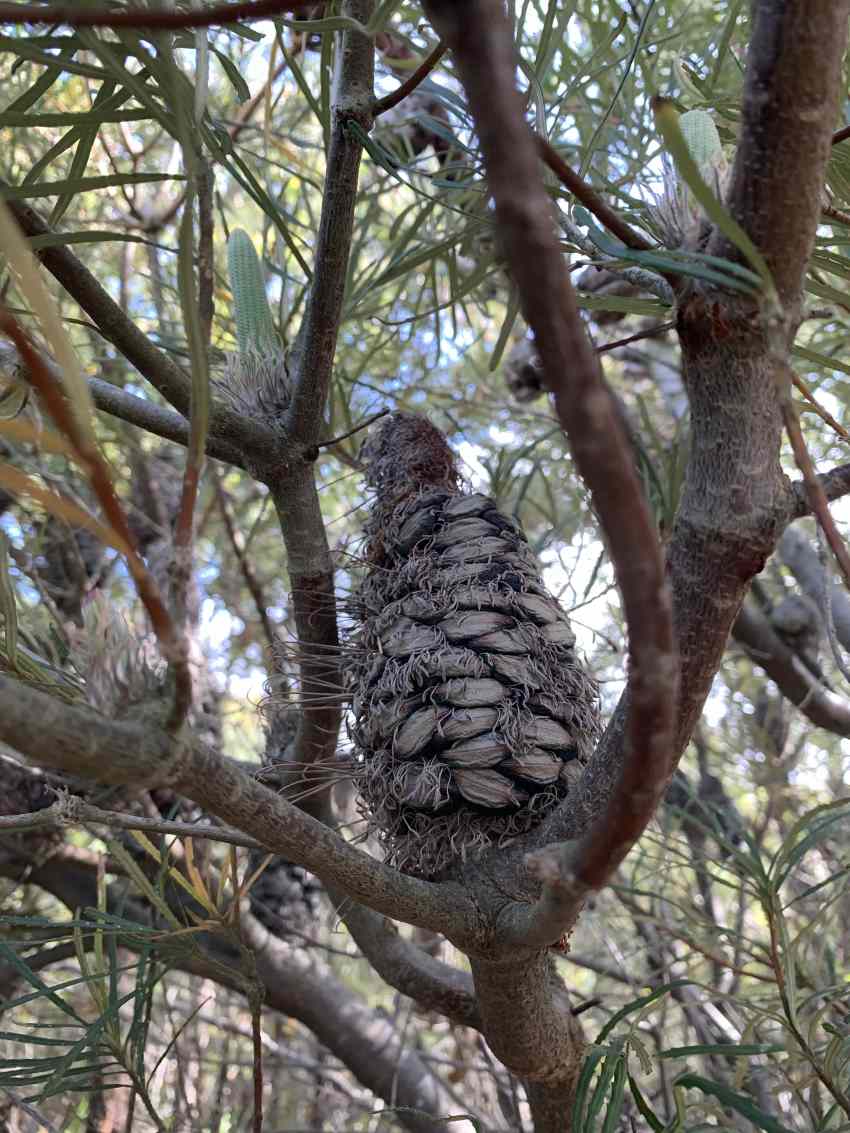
x: 81, y: 742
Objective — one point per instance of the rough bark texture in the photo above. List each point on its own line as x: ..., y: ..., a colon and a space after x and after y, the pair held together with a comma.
x: 733, y: 508
x: 472, y: 714
x: 790, y: 110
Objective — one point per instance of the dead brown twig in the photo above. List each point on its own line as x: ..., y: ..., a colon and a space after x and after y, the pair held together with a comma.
x: 589, y: 197
x: 401, y: 92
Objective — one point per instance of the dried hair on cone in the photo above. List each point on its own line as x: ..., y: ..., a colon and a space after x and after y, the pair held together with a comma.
x: 472, y: 717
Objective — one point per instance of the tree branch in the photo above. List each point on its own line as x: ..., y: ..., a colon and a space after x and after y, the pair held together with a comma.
x: 217, y: 15
x: 590, y: 198
x: 790, y: 107
x: 790, y: 675
x: 70, y: 810
x: 835, y: 483
x: 299, y: 985
x: 317, y: 337
x: 127, y: 407
x: 815, y: 493
x: 731, y: 510
x: 137, y: 752
x: 293, y: 488
x: 409, y: 85
x: 311, y: 580
x: 480, y: 37
x: 406, y: 967
x: 156, y: 419
x: 803, y: 561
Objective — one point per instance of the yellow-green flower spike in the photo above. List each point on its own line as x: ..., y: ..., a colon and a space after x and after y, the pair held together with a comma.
x: 255, y: 330
x: 701, y: 137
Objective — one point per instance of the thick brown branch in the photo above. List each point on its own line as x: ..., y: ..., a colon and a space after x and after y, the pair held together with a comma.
x: 480, y: 37
x: 218, y: 15
x: 790, y: 107
x: 732, y: 509
x: 52, y: 734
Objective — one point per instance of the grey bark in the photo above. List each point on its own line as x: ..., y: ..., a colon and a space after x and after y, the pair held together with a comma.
x: 797, y: 552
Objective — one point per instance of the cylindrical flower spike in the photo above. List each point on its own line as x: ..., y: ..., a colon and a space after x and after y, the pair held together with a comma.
x: 256, y: 380
x: 255, y: 331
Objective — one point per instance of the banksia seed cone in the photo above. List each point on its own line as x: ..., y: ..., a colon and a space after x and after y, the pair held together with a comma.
x: 472, y: 716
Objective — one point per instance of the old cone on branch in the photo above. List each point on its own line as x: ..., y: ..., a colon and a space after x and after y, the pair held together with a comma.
x: 472, y: 716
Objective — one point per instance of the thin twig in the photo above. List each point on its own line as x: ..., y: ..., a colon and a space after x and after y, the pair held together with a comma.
x: 838, y: 215
x: 818, y: 408
x: 238, y: 545
x: 363, y: 425
x: 184, y: 522
x: 841, y: 135
x: 409, y: 85
x: 257, y: 1062
x: 651, y: 332
x: 75, y: 16
x: 70, y: 810
x: 590, y: 198
x: 206, y: 257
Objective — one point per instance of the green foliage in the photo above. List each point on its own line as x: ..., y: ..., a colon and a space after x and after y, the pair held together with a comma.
x: 722, y: 1001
